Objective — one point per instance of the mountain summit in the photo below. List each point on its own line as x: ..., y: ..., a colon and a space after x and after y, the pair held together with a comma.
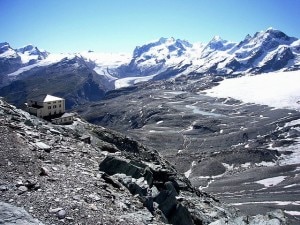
x: 30, y: 50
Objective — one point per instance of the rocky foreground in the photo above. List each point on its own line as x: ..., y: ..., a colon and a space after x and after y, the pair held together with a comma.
x: 86, y: 174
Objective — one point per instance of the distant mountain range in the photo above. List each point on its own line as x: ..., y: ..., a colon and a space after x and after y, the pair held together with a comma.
x: 87, y: 76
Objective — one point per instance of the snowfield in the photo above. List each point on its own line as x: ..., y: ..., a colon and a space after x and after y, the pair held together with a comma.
x: 106, y: 61
x: 276, y: 89
x: 271, y: 181
x: 51, y: 59
x: 129, y: 81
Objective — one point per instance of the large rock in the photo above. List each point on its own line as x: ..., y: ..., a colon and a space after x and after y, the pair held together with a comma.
x: 175, y: 212
x: 141, y: 180
x: 112, y: 165
x: 12, y: 215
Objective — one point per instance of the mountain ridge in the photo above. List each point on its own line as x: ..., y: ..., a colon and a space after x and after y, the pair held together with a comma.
x: 265, y: 51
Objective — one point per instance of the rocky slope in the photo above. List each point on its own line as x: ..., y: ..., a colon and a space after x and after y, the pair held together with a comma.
x: 86, y: 174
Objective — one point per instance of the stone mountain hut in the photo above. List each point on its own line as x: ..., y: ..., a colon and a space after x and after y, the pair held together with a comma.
x: 51, y: 108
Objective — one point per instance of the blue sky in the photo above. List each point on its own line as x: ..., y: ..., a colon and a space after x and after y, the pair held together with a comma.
x: 120, y: 25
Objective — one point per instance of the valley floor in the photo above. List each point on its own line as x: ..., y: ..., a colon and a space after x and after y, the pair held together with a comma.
x: 277, y: 186
x: 247, y: 154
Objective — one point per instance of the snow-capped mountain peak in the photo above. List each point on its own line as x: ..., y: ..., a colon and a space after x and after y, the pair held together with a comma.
x: 27, y: 48
x: 272, y: 34
x: 248, y: 36
x: 157, y: 46
x: 275, y: 32
x: 265, y: 51
x: 163, y: 40
x: 6, y: 51
x: 4, y: 46
x: 216, y: 38
x: 32, y: 50
x: 217, y: 43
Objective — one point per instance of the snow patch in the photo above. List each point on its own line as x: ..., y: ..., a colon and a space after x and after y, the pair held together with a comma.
x: 106, y: 62
x: 293, y: 158
x: 188, y: 173
x: 266, y: 164
x: 292, y: 123
x: 276, y: 89
x: 51, y: 59
x: 129, y: 81
x: 246, y: 165
x: 289, y: 186
x: 293, y: 213
x: 281, y: 203
x: 269, y: 182
x: 228, y: 166
x: 112, y: 59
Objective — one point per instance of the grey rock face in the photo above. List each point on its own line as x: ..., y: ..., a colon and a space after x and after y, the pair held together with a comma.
x: 138, y: 180
x: 178, y: 204
x: 112, y: 165
x: 12, y: 215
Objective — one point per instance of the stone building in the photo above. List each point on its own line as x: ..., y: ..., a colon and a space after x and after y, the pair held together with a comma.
x: 66, y: 118
x: 46, y: 106
x: 51, y: 108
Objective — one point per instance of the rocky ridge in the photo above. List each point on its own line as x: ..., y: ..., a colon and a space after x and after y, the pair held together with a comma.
x: 86, y: 174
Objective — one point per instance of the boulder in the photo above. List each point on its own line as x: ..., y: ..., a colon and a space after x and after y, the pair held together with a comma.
x: 136, y: 186
x: 43, y: 146
x: 167, y: 202
x: 176, y: 213
x: 12, y: 215
x: 141, y: 180
x: 85, y: 139
x: 181, y: 216
x: 112, y: 165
